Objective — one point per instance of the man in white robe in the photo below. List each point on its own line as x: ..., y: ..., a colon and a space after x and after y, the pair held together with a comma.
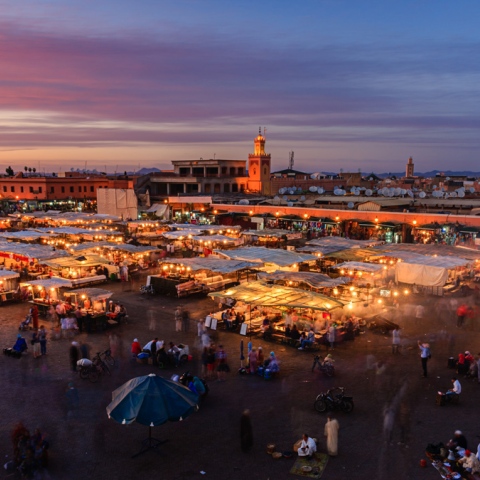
x: 308, y: 447
x: 331, y: 432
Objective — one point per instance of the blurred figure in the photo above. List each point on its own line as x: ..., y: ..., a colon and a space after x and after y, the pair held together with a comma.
x: 246, y: 432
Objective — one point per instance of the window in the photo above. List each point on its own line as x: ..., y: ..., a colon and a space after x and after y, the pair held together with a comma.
x: 92, y: 189
x: 30, y: 189
x: 21, y: 189
x: 63, y: 189
x: 4, y: 188
x: 240, y: 171
x: 80, y: 189
x: 40, y: 189
x: 232, y: 171
x: 224, y: 170
x: 264, y: 170
x: 52, y: 189
x: 84, y: 188
x: 12, y: 189
x: 71, y: 189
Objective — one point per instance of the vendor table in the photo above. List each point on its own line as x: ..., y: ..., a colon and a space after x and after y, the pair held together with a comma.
x: 7, y: 296
x: 42, y: 307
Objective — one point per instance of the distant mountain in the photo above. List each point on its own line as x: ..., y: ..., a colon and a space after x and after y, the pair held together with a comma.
x: 433, y: 173
x: 145, y: 171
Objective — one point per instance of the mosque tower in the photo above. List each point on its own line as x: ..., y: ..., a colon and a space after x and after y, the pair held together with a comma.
x: 259, y: 166
x: 409, y: 169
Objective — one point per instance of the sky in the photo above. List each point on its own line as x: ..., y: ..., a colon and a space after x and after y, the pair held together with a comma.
x: 126, y: 84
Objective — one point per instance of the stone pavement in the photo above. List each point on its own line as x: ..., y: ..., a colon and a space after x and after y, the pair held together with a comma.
x: 89, y: 445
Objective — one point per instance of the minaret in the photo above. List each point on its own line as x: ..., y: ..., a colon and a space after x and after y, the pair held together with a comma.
x: 410, y: 167
x: 259, y: 166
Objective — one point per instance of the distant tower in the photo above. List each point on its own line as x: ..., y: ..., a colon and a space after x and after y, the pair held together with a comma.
x: 410, y: 167
x: 259, y: 166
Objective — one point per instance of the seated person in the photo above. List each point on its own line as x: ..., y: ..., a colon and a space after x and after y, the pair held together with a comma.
x: 328, y: 360
x: 20, y: 345
x: 174, y: 351
x: 308, y: 447
x: 470, y: 462
x: 136, y: 347
x: 268, y: 332
x: 295, y: 334
x: 288, y: 331
x: 468, y: 360
x: 199, y: 386
x: 272, y: 364
x: 458, y: 440
x: 308, y: 341
x: 162, y: 356
x: 455, y: 390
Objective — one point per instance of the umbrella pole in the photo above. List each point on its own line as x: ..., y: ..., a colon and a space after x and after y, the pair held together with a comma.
x: 149, y: 443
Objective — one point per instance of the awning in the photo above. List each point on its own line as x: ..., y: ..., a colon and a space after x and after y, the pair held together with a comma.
x: 315, y: 280
x: 54, y: 282
x: 93, y: 294
x: 218, y: 265
x: 268, y: 295
x: 83, y: 261
x: 360, y: 266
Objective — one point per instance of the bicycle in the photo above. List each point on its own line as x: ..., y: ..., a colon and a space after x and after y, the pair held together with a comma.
x: 100, y: 364
x: 107, y: 358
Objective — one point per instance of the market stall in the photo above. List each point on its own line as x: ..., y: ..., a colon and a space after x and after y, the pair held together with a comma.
x: 8, y: 286
x: 272, y: 259
x: 92, y: 302
x: 45, y: 292
x: 200, y: 274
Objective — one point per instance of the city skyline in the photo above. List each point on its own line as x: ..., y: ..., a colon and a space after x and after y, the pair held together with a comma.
x: 343, y: 85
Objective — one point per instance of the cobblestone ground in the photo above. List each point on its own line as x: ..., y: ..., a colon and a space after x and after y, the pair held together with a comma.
x: 89, y: 445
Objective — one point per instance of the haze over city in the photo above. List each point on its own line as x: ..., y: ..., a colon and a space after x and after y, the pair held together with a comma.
x: 344, y: 84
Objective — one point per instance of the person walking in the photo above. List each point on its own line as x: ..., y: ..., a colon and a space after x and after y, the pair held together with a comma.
x: 178, y: 319
x: 36, y: 344
x: 35, y: 317
x: 246, y: 432
x: 331, y: 336
x: 331, y: 432
x: 425, y: 356
x: 74, y: 356
x: 185, y: 320
x: 395, y: 340
x: 42, y: 337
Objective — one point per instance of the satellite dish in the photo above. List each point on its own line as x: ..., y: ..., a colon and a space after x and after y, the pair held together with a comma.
x: 320, y: 190
x: 351, y: 204
x: 282, y: 191
x: 275, y: 198
x: 314, y: 176
x: 353, y: 190
x: 448, y: 178
x: 299, y: 189
x: 285, y: 198
x: 422, y: 195
x: 289, y: 204
x: 453, y: 194
x: 302, y: 198
x: 410, y: 193
x: 404, y: 192
x: 461, y: 194
x: 291, y: 191
x: 472, y: 190
x: 368, y: 192
x: 398, y: 192
x: 313, y: 189
x: 244, y: 201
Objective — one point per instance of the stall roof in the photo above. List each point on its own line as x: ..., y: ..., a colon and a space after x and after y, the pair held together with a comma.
x: 343, y: 242
x: 267, y: 232
x: 276, y: 256
x: 315, y: 280
x: 180, y: 234
x: 54, y: 282
x: 202, y: 228
x: 91, y: 293
x: 270, y: 295
x: 127, y: 247
x: 77, y: 231
x: 39, y: 252
x: 430, y: 249
x: 214, y: 238
x: 353, y: 254
x: 8, y: 274
x: 26, y: 235
x: 362, y: 266
x: 83, y: 261
x: 213, y: 264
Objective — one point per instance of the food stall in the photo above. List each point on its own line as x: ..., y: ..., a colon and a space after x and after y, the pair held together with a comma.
x: 8, y: 286
x: 45, y: 292
x: 260, y: 301
x: 92, y: 302
x: 187, y: 276
x: 272, y: 259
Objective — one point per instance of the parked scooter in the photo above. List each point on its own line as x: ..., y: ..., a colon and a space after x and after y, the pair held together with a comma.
x: 334, y: 401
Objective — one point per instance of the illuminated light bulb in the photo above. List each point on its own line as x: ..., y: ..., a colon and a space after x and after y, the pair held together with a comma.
x: 395, y: 294
x: 379, y: 300
x: 335, y: 291
x: 406, y: 292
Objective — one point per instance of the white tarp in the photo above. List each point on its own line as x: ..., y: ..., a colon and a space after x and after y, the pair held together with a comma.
x: 418, y: 274
x: 160, y: 210
x: 361, y: 266
x: 117, y: 201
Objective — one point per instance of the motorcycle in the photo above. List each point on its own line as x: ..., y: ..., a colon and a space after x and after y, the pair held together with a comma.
x: 334, y: 401
x: 326, y: 367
